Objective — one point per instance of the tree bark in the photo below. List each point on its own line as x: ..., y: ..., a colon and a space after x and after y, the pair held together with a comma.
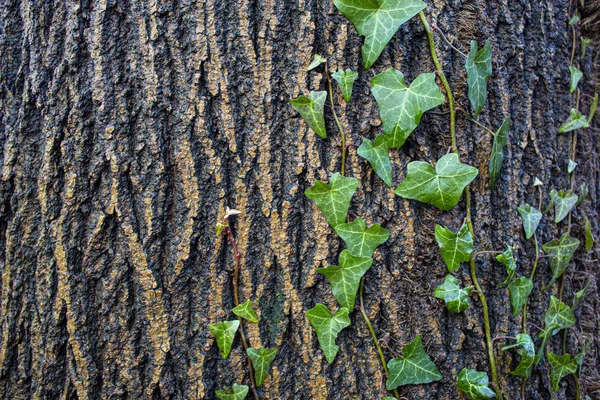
x: 128, y: 126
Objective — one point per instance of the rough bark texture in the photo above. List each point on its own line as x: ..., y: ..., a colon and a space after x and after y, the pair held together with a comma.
x: 127, y: 126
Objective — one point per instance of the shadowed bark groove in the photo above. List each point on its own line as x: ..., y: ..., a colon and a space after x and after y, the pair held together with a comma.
x: 128, y: 126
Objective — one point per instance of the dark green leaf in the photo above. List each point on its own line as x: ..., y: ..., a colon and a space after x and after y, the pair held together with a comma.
x: 527, y: 353
x: 479, y: 71
x: 401, y: 107
x: 497, y: 156
x: 224, y: 332
x: 246, y: 311
x: 334, y: 200
x: 558, y: 316
x: 362, y: 242
x: 318, y: 60
x: 519, y: 291
x: 415, y: 368
x: 576, y: 76
x: 311, y: 109
x: 377, y: 21
x: 531, y: 217
x: 589, y: 238
x: 455, y: 247
x: 560, y: 251
x: 575, y: 121
x: 261, y: 361
x: 456, y: 298
x: 328, y: 326
x: 560, y: 366
x: 378, y: 157
x: 563, y: 203
x: 346, y: 81
x: 475, y: 384
x: 237, y: 392
x: 441, y: 187
x: 508, y: 260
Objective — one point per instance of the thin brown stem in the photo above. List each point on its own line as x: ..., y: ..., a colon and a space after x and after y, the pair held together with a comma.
x: 337, y: 120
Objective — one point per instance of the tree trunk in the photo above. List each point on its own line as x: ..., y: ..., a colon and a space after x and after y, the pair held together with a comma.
x: 127, y: 127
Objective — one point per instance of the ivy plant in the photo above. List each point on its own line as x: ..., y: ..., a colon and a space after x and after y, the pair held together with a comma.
x: 413, y: 369
x: 519, y: 291
x: 531, y: 217
x: 527, y: 352
x: 328, y: 326
x: 479, y: 71
x: 455, y: 247
x: 475, y: 384
x: 333, y: 199
x: 378, y: 156
x: 237, y: 392
x: 497, y: 155
x: 560, y: 366
x: 360, y: 241
x: 224, y: 332
x: 455, y: 297
x: 311, y: 108
x: 561, y: 252
x: 346, y: 81
x: 261, y: 360
x: 246, y: 311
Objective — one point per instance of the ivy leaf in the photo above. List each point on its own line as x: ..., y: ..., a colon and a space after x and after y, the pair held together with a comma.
x: 414, y: 369
x: 246, y: 311
x: 318, y: 60
x: 261, y: 361
x: 561, y: 251
x: 328, y: 326
x: 475, y: 384
x: 593, y: 108
x: 455, y: 247
x: 576, y: 75
x: 589, y: 238
x: 575, y: 121
x: 479, y: 71
x: 441, y: 187
x: 571, y: 166
x: 311, y: 109
x: 346, y: 81
x: 362, y: 242
x: 558, y: 316
x: 580, y: 295
x: 402, y: 107
x: 497, y: 157
x: 527, y: 353
x: 560, y: 366
x: 583, y: 192
x: 531, y: 217
x: 579, y: 358
x: 585, y: 42
x: 377, y: 21
x: 378, y: 157
x: 333, y: 200
x: 519, y: 291
x: 224, y: 332
x: 345, y: 278
x: 574, y: 20
x: 563, y: 203
x: 508, y: 260
x: 389, y: 398
x: 237, y: 392
x: 456, y: 298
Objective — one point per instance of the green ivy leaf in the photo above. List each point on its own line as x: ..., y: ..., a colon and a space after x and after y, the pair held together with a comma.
x: 585, y: 42
x: 475, y: 384
x: 345, y: 278
x: 441, y: 187
x: 561, y: 251
x: 593, y: 108
x: 237, y: 392
x: 402, y: 107
x: 334, y: 200
x: 456, y: 298
x: 571, y: 166
x: 576, y: 76
x: 377, y: 21
x: 575, y: 121
x: 311, y: 108
x: 497, y: 156
x: 389, y: 398
x: 560, y: 366
x: 508, y: 260
x: 579, y: 358
x: 261, y: 361
x: 479, y: 71
x: 246, y: 311
x: 328, y: 326
x: 574, y: 20
x: 583, y: 192
x: 224, y: 332
x: 558, y: 316
x: 346, y: 81
x: 531, y: 217
x: 589, y: 238
x: 580, y: 295
x: 563, y: 203
x: 455, y: 247
x: 378, y: 157
x: 527, y: 353
x: 414, y: 369
x: 362, y: 242
x: 519, y: 291
x: 318, y: 60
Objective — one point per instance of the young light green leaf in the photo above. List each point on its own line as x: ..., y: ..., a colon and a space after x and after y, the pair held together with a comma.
x: 311, y: 108
x: 508, y: 260
x: 318, y: 60
x: 441, y: 187
x: 345, y: 278
x: 455, y: 247
x: 246, y: 311
x: 575, y: 121
x: 519, y: 291
x: 531, y: 217
x: 237, y: 392
x: 224, y: 332
x: 261, y: 361
x: 563, y: 203
x: 527, y: 353
x: 571, y: 166
x: 402, y: 107
x: 537, y: 182
x: 389, y: 398
x: 378, y: 156
x: 377, y: 21
x: 585, y: 42
x: 456, y: 298
x: 220, y: 227
x: 558, y: 316
x: 362, y: 242
x: 560, y: 366
x: 497, y: 156
x: 560, y: 251
x: 574, y: 20
x: 479, y: 71
x: 328, y: 326
x: 415, y: 368
x: 576, y: 76
x: 580, y: 295
x: 583, y: 192
x: 333, y: 200
x: 579, y: 358
x: 346, y: 81
x: 593, y: 108
x: 589, y: 238
x: 475, y: 384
